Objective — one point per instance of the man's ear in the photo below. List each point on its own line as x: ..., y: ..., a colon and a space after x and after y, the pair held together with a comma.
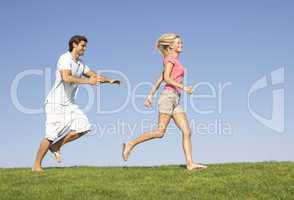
x: 75, y: 45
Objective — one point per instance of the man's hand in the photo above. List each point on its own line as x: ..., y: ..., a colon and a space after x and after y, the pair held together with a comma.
x: 114, y: 82
x: 93, y: 80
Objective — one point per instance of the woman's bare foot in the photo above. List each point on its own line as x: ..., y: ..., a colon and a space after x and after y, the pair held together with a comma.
x: 126, y: 150
x: 196, y: 166
x: 37, y: 169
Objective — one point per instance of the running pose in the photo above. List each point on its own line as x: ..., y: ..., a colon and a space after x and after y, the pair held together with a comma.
x: 170, y: 46
x: 65, y: 122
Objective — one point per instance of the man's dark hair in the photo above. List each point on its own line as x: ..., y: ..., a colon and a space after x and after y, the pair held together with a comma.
x: 76, y: 39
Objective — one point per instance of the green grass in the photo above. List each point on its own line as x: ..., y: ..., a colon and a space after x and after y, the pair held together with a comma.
x: 267, y: 180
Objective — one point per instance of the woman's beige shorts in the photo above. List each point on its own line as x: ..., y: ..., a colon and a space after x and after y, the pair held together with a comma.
x: 169, y: 103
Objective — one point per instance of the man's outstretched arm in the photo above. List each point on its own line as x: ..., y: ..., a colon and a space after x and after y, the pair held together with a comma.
x: 99, y: 78
x: 67, y: 77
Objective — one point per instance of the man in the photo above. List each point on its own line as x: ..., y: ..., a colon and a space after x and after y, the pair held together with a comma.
x: 65, y: 122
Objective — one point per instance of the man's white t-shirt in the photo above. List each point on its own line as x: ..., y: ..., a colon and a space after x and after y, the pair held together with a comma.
x: 65, y: 93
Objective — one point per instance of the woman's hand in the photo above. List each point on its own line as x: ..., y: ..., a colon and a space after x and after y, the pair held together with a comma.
x: 188, y: 89
x: 148, y: 101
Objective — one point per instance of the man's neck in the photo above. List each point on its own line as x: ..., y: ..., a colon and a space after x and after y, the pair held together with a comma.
x: 75, y: 56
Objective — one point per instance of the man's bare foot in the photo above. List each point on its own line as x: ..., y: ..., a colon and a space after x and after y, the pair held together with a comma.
x: 126, y: 149
x: 57, y: 156
x: 196, y: 167
x: 56, y: 152
x: 37, y: 169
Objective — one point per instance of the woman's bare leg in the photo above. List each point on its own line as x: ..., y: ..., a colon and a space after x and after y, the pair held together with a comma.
x: 183, y: 124
x: 163, y: 121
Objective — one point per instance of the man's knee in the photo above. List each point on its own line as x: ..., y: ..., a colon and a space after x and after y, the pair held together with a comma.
x: 83, y: 133
x: 159, y: 133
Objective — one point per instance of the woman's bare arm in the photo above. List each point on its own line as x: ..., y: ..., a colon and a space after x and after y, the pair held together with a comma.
x: 156, y: 85
x: 148, y: 101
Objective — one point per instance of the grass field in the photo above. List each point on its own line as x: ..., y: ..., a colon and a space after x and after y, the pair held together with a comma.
x: 267, y: 180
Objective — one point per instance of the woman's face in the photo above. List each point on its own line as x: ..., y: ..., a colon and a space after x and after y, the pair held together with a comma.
x: 178, y: 45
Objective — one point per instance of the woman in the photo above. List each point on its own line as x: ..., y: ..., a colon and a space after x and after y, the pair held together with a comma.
x: 170, y: 46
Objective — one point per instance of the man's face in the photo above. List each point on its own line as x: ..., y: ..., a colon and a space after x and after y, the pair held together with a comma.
x: 81, y: 47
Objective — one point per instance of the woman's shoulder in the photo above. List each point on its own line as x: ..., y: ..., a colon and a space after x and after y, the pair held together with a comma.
x: 170, y: 59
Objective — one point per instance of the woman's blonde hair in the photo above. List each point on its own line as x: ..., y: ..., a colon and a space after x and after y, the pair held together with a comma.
x: 165, y: 42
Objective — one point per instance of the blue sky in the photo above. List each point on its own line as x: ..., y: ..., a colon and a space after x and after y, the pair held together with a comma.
x: 236, y: 42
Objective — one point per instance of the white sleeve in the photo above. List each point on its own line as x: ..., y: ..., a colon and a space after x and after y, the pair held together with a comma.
x: 63, y: 63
